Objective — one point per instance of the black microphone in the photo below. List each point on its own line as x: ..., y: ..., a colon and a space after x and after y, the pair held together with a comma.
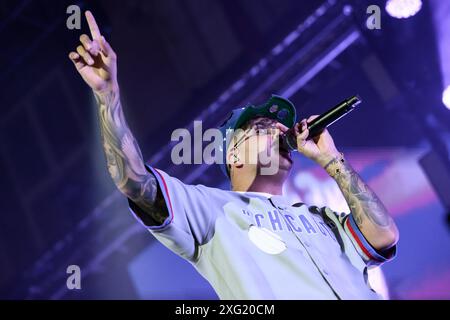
x: 316, y: 126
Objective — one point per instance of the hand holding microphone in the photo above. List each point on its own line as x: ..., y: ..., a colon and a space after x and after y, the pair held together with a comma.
x: 310, y: 136
x: 316, y: 126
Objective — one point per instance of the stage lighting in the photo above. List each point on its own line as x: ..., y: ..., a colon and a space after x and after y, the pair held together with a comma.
x: 402, y: 9
x: 446, y: 97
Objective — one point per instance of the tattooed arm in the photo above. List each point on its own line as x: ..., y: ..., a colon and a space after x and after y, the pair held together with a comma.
x: 96, y: 62
x: 368, y: 211
x: 124, y: 159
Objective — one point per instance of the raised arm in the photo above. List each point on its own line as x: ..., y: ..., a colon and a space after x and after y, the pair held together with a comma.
x: 96, y: 62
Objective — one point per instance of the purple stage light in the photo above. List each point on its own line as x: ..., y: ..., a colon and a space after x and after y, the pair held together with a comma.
x: 402, y: 9
x: 446, y: 97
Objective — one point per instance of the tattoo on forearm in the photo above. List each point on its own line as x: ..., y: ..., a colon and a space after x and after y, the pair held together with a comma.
x: 124, y: 158
x: 363, y: 202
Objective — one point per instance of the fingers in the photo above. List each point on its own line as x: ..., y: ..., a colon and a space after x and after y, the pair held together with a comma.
x: 93, y: 47
x: 85, y: 41
x: 301, y: 138
x: 95, y: 31
x: 281, y: 127
x: 74, y: 56
x: 304, y: 131
x: 85, y: 55
x: 311, y: 118
x: 302, y: 126
x: 98, y: 41
x: 77, y: 60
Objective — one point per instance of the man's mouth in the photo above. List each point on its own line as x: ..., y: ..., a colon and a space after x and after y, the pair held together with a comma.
x: 281, y: 150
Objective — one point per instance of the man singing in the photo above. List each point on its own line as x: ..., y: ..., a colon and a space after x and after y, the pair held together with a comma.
x: 249, y: 242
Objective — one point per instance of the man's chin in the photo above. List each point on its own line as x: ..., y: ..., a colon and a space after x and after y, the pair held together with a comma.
x: 286, y: 158
x: 281, y: 167
x: 285, y: 165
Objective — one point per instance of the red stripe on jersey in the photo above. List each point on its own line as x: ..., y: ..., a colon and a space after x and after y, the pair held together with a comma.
x: 355, y: 236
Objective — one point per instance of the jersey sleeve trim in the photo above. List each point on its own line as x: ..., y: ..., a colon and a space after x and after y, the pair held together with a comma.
x: 165, y: 192
x: 369, y: 253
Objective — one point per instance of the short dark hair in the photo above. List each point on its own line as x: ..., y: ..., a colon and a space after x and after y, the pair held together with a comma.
x: 263, y: 122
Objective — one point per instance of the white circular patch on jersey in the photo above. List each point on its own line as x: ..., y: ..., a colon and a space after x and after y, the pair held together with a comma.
x: 266, y: 240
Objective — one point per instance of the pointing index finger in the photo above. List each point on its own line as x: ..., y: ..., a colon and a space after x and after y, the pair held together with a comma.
x: 95, y: 32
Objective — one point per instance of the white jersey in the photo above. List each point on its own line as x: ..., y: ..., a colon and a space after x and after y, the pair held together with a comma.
x: 251, y: 245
